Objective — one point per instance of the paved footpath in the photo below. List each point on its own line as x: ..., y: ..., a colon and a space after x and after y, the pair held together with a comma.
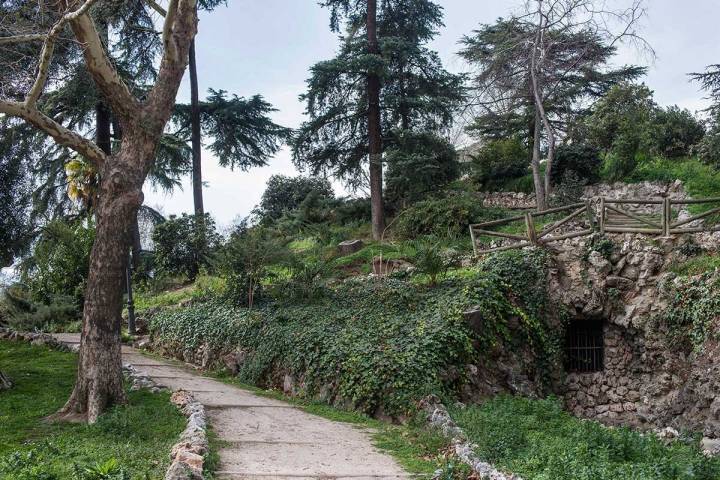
x: 266, y: 439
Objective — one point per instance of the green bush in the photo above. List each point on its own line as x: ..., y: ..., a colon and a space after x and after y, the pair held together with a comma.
x: 449, y: 216
x: 499, y: 161
x: 184, y: 245
x: 306, y: 278
x: 22, y: 313
x: 538, y: 440
x: 60, y: 262
x: 377, y: 345
x: 432, y: 258
x: 676, y: 132
x: 581, y: 158
x: 245, y: 260
x: 284, y: 194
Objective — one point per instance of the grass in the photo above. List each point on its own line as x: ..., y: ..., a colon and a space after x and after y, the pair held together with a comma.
x: 138, y: 436
x: 697, y: 265
x: 416, y: 448
x: 699, y: 180
x: 537, y: 440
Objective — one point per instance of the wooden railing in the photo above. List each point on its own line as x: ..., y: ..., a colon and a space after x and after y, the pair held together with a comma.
x: 612, y: 216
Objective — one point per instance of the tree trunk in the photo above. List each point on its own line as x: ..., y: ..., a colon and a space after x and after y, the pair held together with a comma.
x: 136, y: 244
x: 195, y: 138
x: 374, y: 129
x: 540, y: 197
x: 540, y: 113
x: 99, y: 382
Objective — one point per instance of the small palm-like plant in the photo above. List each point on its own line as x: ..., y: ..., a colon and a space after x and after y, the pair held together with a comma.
x: 431, y: 258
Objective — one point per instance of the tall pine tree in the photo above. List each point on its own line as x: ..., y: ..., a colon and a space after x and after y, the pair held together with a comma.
x: 415, y: 93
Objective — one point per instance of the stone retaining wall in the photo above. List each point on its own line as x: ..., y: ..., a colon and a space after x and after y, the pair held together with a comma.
x: 646, y: 382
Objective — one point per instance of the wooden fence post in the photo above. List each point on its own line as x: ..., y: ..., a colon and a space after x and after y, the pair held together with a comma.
x: 530, y: 226
x: 667, y: 217
x: 589, y: 214
x: 601, y: 216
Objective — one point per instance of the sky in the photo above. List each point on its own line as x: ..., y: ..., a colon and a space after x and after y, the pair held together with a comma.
x: 267, y: 46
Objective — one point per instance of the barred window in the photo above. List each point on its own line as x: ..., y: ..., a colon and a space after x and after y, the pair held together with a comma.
x: 584, y: 346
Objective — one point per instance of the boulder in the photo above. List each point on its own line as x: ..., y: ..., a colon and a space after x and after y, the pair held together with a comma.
x: 350, y: 246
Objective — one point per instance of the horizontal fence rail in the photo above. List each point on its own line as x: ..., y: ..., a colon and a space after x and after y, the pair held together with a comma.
x: 612, y: 216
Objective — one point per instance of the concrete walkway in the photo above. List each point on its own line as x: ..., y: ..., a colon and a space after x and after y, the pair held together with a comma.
x: 262, y: 438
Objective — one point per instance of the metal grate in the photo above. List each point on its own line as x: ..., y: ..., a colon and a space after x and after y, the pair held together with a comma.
x: 584, y: 346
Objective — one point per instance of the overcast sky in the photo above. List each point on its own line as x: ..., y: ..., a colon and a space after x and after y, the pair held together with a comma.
x: 267, y: 46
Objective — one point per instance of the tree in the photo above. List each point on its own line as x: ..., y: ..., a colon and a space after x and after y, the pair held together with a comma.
x: 381, y: 50
x: 122, y: 173
x: 539, y: 69
x: 243, y: 134
x: 15, y: 190
x: 75, y: 99
x: 621, y: 126
x: 709, y: 147
x: 418, y: 164
x: 676, y: 131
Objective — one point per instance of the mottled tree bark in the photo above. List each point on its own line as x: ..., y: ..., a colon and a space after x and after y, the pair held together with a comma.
x: 538, y: 180
x: 375, y: 129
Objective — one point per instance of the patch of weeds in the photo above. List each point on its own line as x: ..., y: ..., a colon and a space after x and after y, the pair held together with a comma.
x: 538, y: 440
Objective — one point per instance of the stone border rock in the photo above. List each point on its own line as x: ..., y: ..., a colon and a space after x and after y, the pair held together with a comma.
x: 34, y: 338
x: 438, y: 417
x: 188, y: 455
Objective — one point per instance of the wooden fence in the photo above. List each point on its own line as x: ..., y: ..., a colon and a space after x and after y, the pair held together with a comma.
x: 612, y: 216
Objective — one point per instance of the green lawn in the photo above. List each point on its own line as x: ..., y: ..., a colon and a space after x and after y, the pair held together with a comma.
x: 135, y: 438
x: 539, y: 441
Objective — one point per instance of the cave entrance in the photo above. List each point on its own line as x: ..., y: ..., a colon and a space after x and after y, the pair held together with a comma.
x: 584, y: 346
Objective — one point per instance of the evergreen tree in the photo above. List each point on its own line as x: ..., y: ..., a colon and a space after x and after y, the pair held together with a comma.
x: 416, y: 93
x: 242, y: 133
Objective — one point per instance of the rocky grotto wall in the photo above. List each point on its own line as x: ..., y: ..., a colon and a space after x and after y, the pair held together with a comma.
x: 647, y: 380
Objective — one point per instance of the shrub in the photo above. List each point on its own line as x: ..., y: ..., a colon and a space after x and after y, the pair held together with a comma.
x: 60, y: 262
x: 444, y: 217
x: 581, y: 158
x: 56, y: 313
x: 246, y: 259
x: 431, y: 258
x: 306, y: 278
x: 499, y: 161
x: 184, y: 245
x: 418, y: 164
x: 284, y: 194
x: 570, y: 189
x: 676, y: 132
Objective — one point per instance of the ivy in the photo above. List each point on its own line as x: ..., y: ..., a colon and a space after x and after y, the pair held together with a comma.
x: 381, y: 345
x: 694, y: 304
